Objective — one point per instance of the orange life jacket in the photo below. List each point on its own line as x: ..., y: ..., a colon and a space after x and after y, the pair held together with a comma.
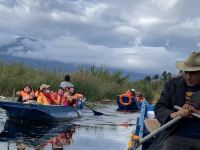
x: 26, y: 96
x: 57, y: 99
x: 139, y: 98
x: 45, y: 98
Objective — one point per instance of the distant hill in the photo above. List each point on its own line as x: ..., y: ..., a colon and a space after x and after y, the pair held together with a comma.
x: 24, y: 44
x: 62, y: 67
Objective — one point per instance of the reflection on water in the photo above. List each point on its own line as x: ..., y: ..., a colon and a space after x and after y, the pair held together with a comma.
x: 37, y: 136
x: 87, y: 133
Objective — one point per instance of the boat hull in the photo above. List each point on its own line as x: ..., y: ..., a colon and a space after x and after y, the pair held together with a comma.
x: 38, y: 112
x: 134, y: 105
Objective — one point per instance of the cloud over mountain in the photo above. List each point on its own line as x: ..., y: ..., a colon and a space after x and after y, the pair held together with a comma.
x: 145, y: 36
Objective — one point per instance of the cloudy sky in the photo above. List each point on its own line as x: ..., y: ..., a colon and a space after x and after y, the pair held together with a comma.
x: 137, y: 35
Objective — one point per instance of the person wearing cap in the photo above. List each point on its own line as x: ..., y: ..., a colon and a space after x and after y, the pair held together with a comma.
x: 44, y: 95
x: 184, y: 135
x: 66, y: 85
x: 131, y: 92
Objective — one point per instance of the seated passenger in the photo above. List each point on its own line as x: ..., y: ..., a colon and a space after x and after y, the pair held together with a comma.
x: 139, y: 97
x: 71, y: 97
x: 58, y: 96
x: 26, y: 94
x: 45, y: 96
x: 131, y: 93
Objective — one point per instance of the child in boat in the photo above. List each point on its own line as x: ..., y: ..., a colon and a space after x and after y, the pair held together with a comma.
x: 26, y: 94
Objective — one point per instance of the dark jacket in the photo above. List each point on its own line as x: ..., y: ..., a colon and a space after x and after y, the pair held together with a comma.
x: 173, y: 94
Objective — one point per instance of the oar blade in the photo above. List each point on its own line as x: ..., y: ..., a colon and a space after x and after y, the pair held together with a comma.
x: 96, y: 113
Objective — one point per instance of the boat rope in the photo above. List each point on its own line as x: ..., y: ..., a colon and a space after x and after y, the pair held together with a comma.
x: 134, y: 141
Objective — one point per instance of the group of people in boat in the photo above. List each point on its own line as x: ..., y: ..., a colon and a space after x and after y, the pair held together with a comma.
x: 131, y: 94
x: 65, y: 95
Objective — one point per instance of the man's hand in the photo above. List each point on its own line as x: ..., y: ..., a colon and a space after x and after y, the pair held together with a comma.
x: 191, y: 108
x: 182, y: 112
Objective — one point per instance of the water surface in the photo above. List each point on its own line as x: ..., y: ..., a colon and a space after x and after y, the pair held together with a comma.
x: 87, y: 133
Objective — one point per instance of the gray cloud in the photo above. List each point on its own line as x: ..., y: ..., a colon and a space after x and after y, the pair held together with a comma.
x: 136, y: 35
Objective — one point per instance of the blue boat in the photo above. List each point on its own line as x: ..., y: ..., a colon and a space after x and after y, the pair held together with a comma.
x: 40, y: 113
x: 128, y: 104
x: 141, y: 130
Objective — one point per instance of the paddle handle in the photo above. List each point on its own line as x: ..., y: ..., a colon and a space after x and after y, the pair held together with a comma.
x: 193, y: 114
x: 155, y: 132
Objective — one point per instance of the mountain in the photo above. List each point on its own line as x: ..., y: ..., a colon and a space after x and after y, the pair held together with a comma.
x: 22, y: 44
x: 63, y: 67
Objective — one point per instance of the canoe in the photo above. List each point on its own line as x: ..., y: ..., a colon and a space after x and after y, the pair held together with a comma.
x: 40, y: 113
x: 133, y: 106
x: 32, y: 135
x: 141, y: 128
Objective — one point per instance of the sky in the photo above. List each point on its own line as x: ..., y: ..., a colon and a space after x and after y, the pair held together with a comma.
x: 145, y: 36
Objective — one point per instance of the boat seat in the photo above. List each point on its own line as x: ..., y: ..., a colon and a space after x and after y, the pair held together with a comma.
x: 151, y: 124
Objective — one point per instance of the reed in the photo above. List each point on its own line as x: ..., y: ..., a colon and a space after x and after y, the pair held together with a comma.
x: 95, y: 83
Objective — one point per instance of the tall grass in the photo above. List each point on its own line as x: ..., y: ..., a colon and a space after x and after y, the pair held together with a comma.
x: 98, y: 83
x: 95, y: 83
x: 151, y: 90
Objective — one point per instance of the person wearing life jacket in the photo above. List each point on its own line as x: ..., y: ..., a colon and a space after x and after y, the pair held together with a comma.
x: 45, y: 96
x: 26, y: 94
x: 129, y: 94
x: 139, y: 97
x: 58, y: 96
x: 71, y: 97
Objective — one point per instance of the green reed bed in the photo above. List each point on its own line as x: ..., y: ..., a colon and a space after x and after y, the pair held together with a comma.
x: 95, y: 83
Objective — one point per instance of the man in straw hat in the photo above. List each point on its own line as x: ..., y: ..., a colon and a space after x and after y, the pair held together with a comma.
x: 185, y: 134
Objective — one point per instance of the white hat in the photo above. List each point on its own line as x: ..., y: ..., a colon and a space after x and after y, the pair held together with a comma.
x: 132, y: 90
x: 192, y: 63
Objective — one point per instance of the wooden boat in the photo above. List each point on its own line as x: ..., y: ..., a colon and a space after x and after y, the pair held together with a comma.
x: 127, y: 104
x: 40, y: 113
x: 36, y: 136
x: 142, y: 129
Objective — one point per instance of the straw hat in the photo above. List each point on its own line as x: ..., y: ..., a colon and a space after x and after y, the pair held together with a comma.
x: 44, y: 86
x: 192, y: 63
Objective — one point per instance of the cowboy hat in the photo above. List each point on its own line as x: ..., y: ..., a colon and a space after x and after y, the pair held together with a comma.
x: 44, y: 86
x: 192, y: 63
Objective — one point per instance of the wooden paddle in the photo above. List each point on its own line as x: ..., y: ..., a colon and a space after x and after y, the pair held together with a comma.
x: 96, y: 113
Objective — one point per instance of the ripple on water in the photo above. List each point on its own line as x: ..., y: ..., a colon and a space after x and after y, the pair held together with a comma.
x: 91, y: 132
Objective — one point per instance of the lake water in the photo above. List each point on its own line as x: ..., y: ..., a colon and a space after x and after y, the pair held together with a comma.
x: 87, y: 133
